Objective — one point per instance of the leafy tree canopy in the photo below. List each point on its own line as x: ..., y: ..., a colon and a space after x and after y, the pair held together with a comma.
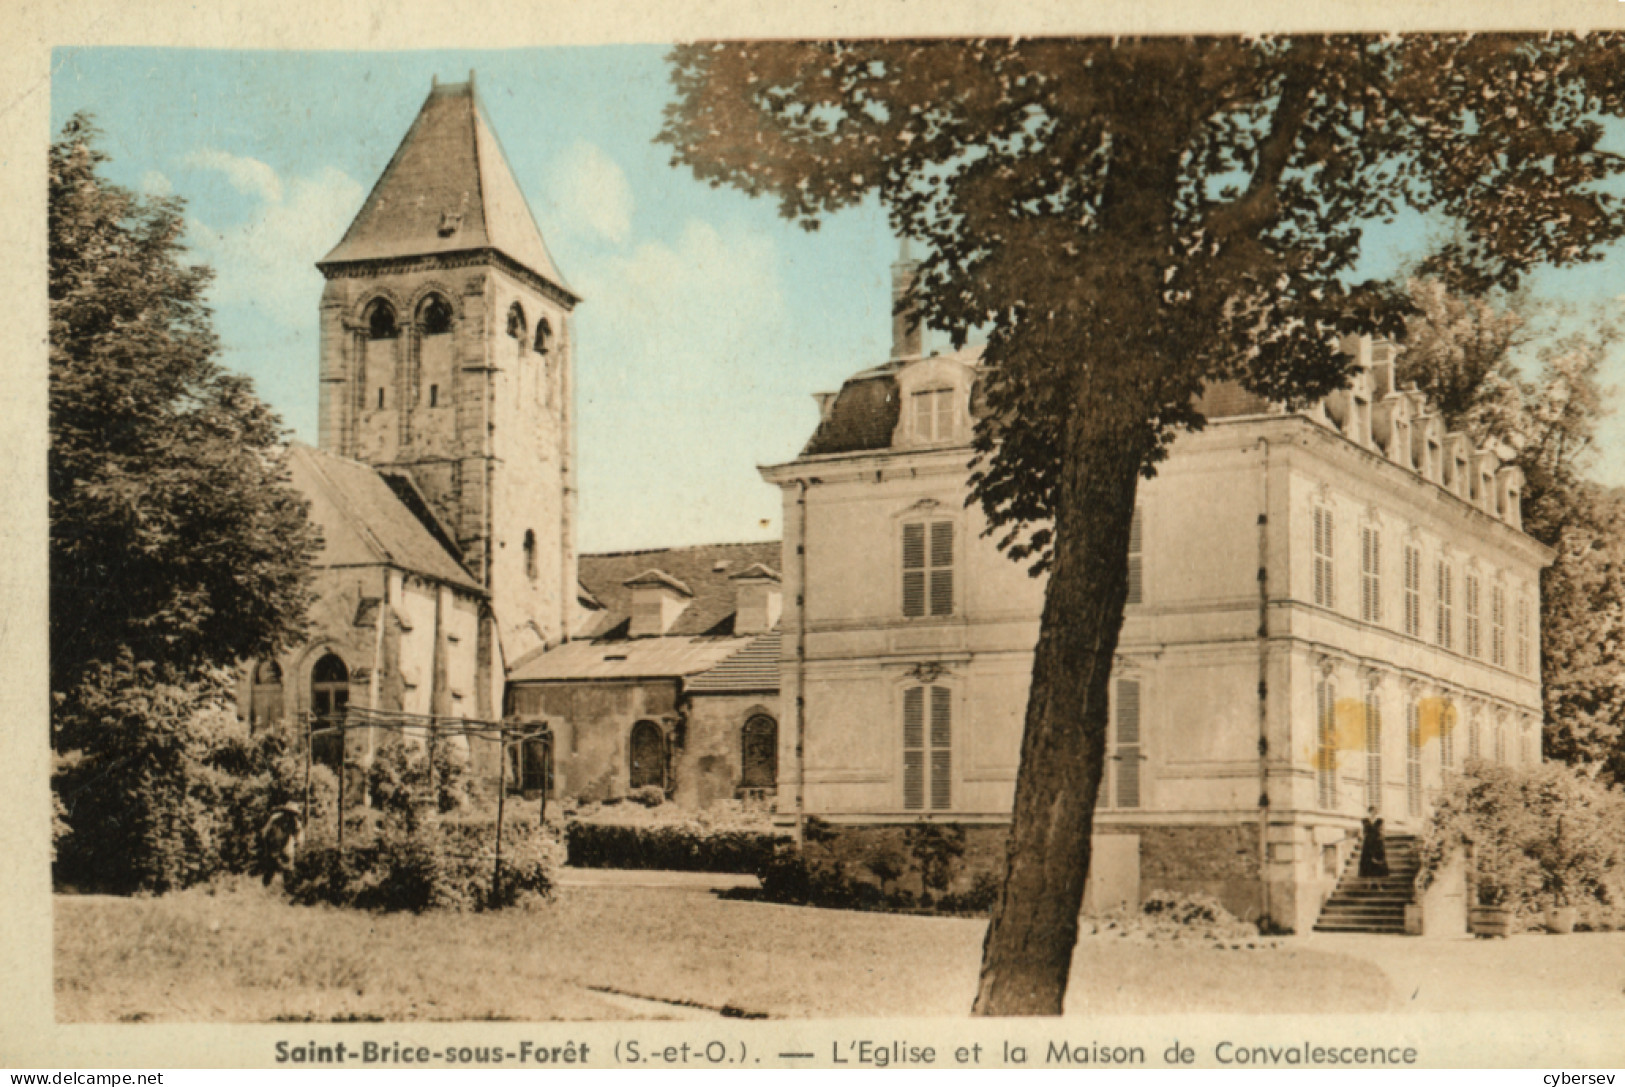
x: 173, y: 531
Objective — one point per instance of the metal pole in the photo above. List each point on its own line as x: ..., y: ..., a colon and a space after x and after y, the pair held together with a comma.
x: 309, y: 740
x: 502, y: 789
x: 342, y: 776
x: 547, y: 774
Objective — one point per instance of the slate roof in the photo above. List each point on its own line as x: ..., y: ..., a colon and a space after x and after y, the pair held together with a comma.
x: 637, y: 658
x: 364, y: 522
x: 864, y: 414
x: 703, y: 570
x: 753, y: 668
x: 449, y: 172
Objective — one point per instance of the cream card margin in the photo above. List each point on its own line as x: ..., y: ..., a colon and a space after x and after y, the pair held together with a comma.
x: 29, y: 1034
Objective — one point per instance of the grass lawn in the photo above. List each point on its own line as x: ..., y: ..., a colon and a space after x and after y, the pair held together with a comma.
x: 245, y: 955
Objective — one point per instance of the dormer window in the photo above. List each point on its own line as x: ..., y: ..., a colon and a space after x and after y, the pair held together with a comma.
x: 932, y: 411
x: 657, y: 600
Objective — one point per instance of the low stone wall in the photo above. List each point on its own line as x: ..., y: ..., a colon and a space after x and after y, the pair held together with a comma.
x: 1221, y: 861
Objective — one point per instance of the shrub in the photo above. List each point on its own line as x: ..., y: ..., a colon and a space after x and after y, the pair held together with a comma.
x: 650, y: 796
x: 979, y: 899
x: 1541, y: 836
x: 936, y: 848
x: 684, y: 848
x: 425, y: 866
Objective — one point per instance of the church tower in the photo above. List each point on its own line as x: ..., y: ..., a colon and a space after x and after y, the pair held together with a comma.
x: 446, y: 362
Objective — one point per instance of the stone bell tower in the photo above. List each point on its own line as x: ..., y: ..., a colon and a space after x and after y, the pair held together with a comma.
x: 446, y: 361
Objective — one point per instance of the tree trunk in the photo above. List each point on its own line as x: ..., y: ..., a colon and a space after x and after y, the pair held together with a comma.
x: 1028, y: 950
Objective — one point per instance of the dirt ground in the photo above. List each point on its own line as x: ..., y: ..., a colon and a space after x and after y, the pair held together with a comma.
x: 607, y: 951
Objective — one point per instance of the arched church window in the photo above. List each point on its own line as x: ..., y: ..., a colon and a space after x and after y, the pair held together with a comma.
x: 381, y: 321
x: 530, y: 554
x: 434, y: 316
x: 516, y: 321
x: 544, y: 336
x: 759, y: 753
x: 265, y: 699
x: 329, y: 695
x: 648, y: 751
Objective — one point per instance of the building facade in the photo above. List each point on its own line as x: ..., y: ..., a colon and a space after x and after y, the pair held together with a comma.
x: 1328, y: 611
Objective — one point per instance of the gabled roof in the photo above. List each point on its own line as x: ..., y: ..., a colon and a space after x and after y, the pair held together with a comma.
x: 702, y: 570
x: 753, y: 668
x: 448, y: 189
x: 756, y: 571
x: 364, y: 522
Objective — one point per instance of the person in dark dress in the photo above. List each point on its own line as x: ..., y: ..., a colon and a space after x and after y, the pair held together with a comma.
x: 1373, y: 853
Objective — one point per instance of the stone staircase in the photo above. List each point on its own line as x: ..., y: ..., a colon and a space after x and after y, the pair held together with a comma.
x: 1373, y: 905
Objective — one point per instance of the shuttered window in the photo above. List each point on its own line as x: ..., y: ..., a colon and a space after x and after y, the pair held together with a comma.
x: 1326, y: 746
x: 1126, y: 753
x: 1500, y: 743
x: 927, y: 748
x: 1373, y: 749
x: 1523, y: 635
x: 1475, y: 748
x: 928, y: 568
x: 1472, y: 647
x: 1498, y: 625
x: 1413, y: 591
x: 1370, y: 574
x: 1323, y: 557
x: 1413, y: 757
x: 1444, y: 627
x: 1447, y: 734
x: 1136, y: 560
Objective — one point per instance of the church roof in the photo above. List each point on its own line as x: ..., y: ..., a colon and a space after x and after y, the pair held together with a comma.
x: 447, y: 189
x: 365, y: 523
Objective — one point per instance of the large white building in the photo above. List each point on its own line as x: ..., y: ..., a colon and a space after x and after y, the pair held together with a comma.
x: 1329, y: 610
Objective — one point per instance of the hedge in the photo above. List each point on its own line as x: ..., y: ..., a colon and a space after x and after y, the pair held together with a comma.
x: 676, y: 848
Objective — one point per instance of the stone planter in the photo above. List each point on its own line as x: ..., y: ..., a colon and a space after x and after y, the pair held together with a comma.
x: 1490, y: 920
x: 1560, y: 919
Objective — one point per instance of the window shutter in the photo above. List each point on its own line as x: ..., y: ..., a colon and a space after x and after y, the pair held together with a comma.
x: 1135, y: 558
x: 1128, y: 743
x: 1447, y: 735
x: 914, y: 748
x: 1373, y: 750
x: 941, y: 748
x: 945, y: 414
x: 913, y: 570
x: 1326, y: 752
x: 942, y: 572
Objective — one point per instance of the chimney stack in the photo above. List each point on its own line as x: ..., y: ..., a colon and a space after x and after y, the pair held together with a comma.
x: 907, y: 337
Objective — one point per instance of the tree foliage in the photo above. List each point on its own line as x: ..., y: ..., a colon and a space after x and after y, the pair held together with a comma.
x: 173, y: 531
x: 1129, y: 220
x: 1465, y: 354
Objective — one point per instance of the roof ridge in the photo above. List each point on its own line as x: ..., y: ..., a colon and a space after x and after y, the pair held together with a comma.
x: 680, y: 547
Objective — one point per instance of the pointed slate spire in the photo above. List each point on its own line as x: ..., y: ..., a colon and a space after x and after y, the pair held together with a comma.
x: 448, y: 189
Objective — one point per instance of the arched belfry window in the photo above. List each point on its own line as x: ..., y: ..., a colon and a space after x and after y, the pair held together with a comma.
x: 434, y: 316
x: 544, y: 336
x: 381, y: 321
x: 530, y: 554
x: 516, y: 321
x: 759, y: 753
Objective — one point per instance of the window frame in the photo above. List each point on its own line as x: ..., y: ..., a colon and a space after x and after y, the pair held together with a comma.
x: 1323, y: 551
x: 1370, y: 573
x: 1413, y: 590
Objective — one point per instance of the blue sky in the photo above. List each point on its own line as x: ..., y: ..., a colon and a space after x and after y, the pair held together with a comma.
x: 708, y: 321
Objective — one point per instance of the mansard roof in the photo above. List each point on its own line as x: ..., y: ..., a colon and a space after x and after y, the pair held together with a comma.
x: 364, y: 522
x: 448, y: 189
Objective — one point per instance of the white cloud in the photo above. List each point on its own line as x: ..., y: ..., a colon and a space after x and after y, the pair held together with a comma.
x: 246, y: 175
x: 267, y: 259
x: 154, y: 183
x: 591, y: 191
